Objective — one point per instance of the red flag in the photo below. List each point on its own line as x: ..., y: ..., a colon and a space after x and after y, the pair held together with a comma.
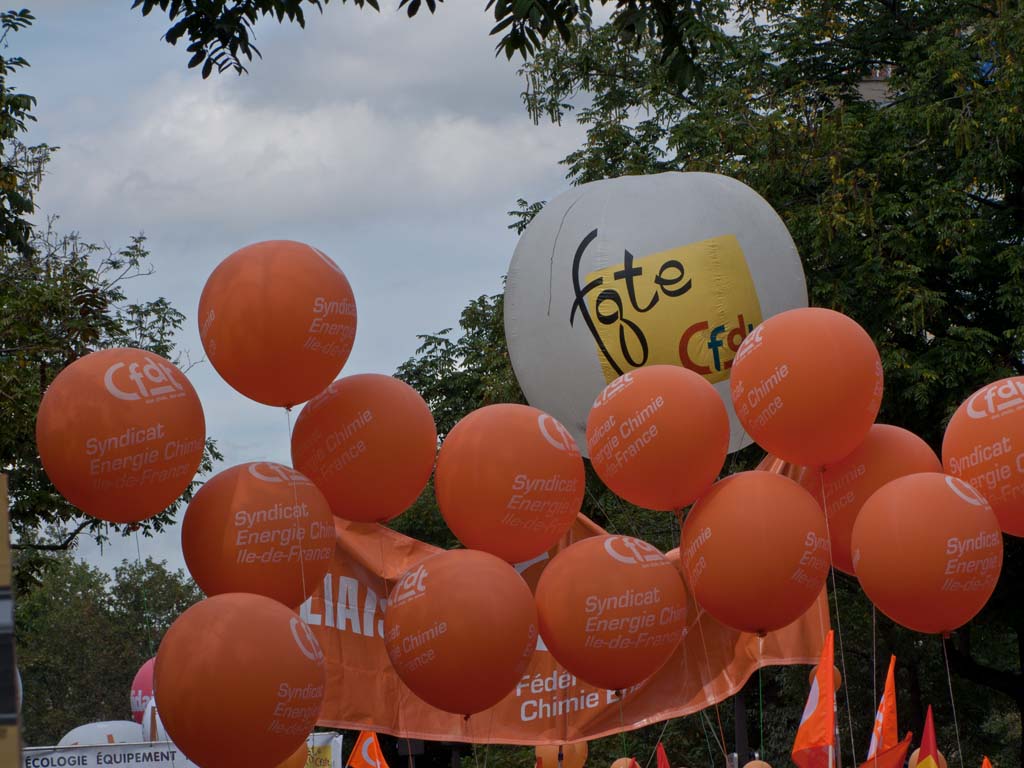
x: 985, y: 763
x: 893, y: 757
x: 662, y: 757
x: 814, y: 746
x: 539, y: 763
x: 928, y: 755
x: 886, y: 733
x: 366, y: 753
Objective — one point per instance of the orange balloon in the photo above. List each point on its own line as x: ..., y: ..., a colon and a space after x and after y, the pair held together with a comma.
x: 121, y: 433
x: 612, y: 610
x: 757, y: 764
x: 573, y: 755
x: 755, y: 551
x: 460, y: 630
x: 887, y: 453
x: 807, y: 385
x: 912, y: 763
x: 243, y: 665
x: 368, y: 442
x: 297, y: 759
x: 509, y: 481
x: 262, y: 528
x: 277, y: 320
x: 984, y: 445
x: 837, y: 676
x: 658, y: 436
x: 927, y: 551
x: 624, y: 762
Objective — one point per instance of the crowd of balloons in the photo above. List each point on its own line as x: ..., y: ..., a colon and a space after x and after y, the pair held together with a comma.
x: 121, y: 434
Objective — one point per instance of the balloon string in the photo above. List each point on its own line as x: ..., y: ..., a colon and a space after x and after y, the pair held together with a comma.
x: 707, y: 740
x: 707, y: 664
x: 718, y: 744
x: 660, y: 737
x: 295, y: 497
x: 607, y: 520
x: 874, y: 660
x: 151, y: 630
x: 622, y: 725
x: 839, y: 623
x: 949, y: 681
x: 760, y: 692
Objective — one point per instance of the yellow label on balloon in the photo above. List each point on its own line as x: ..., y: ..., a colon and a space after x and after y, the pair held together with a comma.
x: 690, y: 306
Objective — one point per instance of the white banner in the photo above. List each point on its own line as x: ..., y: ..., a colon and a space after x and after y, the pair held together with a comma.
x: 324, y: 752
x: 160, y: 753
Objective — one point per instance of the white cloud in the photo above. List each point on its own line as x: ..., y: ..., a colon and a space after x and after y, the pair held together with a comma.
x: 196, y: 155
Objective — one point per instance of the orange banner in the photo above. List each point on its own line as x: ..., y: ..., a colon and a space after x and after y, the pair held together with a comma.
x: 549, y: 705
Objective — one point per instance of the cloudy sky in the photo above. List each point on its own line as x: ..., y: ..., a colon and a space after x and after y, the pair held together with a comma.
x: 395, y: 145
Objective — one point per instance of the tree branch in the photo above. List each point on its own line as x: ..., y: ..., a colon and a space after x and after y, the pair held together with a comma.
x: 57, y: 547
x: 1009, y: 683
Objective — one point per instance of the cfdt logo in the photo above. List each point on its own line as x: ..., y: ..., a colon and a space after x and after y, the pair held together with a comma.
x: 632, y: 551
x: 149, y: 381
x: 752, y: 342
x: 323, y: 398
x: 556, y: 434
x: 271, y: 472
x: 710, y: 351
x: 996, y: 400
x: 410, y: 586
x: 304, y: 639
x: 966, y: 491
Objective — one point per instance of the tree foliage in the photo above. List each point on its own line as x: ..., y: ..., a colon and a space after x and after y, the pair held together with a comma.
x: 220, y: 32
x: 61, y: 297
x: 82, y: 635
x: 20, y: 170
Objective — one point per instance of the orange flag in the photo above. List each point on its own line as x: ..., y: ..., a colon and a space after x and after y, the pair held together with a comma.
x: 928, y: 757
x: 814, y: 746
x: 886, y: 733
x: 662, y: 757
x: 886, y: 750
x: 985, y: 763
x: 894, y: 757
x: 366, y: 753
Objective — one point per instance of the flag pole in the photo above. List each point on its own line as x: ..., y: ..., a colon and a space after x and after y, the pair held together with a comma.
x: 836, y: 751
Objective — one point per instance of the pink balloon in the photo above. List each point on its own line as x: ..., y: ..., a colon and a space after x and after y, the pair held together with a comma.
x: 142, y: 689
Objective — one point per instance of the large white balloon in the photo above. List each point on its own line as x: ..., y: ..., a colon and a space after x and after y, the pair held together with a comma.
x: 108, y: 732
x: 613, y: 275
